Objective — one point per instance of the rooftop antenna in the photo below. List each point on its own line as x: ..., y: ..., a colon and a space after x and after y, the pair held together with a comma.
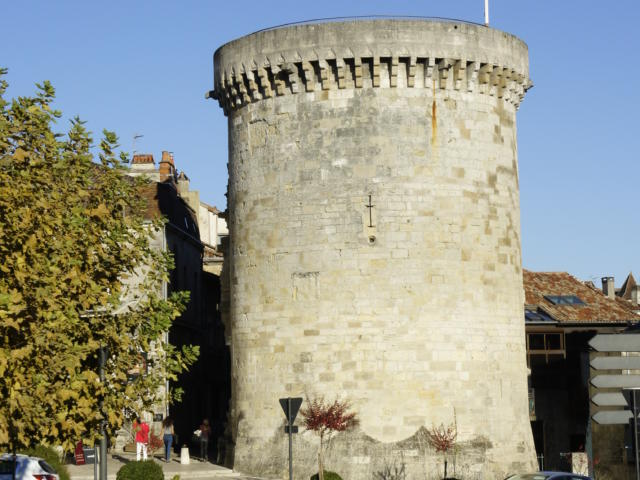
x: 486, y: 13
x: 136, y: 136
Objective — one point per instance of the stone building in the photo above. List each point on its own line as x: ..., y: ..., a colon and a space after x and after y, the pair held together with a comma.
x: 374, y: 249
x: 206, y: 389
x: 561, y: 315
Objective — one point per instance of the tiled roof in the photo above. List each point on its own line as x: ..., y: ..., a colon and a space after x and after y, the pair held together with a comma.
x: 162, y: 199
x: 210, y: 208
x: 598, y: 308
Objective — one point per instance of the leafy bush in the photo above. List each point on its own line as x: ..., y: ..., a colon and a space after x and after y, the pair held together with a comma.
x: 50, y: 456
x: 327, y: 476
x: 146, y: 470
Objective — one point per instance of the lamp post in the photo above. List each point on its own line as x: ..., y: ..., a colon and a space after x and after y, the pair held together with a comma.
x: 103, y: 423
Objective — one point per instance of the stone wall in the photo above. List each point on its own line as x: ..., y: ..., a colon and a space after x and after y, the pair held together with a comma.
x: 375, y: 241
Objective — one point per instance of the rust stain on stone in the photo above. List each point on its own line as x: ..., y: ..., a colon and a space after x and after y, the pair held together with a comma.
x: 434, y: 122
x: 434, y: 117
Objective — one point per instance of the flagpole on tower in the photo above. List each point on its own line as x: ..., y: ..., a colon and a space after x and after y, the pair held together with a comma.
x: 486, y: 13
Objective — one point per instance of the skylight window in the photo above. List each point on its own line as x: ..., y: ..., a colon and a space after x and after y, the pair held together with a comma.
x: 536, y: 316
x: 564, y: 300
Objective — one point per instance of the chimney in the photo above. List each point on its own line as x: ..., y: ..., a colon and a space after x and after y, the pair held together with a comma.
x: 167, y: 167
x: 142, y: 159
x: 142, y: 164
x: 608, y: 287
x: 635, y: 295
x: 183, y: 184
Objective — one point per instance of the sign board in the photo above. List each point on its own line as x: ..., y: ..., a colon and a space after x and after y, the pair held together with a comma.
x: 295, y: 406
x: 290, y: 407
x: 615, y: 399
x: 616, y: 342
x: 613, y: 417
x: 616, y: 381
x: 79, y: 454
x: 616, y: 363
x: 89, y: 455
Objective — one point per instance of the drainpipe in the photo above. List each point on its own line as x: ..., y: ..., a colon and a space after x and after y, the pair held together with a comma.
x: 166, y: 334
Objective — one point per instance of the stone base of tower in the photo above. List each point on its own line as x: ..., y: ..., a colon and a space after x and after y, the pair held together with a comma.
x: 357, y: 456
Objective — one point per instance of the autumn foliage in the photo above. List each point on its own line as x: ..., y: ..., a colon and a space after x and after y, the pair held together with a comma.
x: 442, y: 439
x: 155, y: 442
x: 324, y: 419
x: 73, y: 245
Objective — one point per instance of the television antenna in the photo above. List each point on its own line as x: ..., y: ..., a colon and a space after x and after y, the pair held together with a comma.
x: 136, y: 136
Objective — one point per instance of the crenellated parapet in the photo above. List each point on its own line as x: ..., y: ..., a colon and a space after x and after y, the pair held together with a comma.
x: 374, y: 57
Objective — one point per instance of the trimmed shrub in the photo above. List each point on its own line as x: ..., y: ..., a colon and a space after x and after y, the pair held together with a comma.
x: 146, y: 470
x: 327, y: 476
x: 49, y: 455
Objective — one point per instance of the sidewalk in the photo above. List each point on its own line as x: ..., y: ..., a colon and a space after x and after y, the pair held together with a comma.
x: 195, y: 470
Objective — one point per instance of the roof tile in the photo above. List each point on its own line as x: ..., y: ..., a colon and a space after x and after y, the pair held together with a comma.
x: 598, y: 309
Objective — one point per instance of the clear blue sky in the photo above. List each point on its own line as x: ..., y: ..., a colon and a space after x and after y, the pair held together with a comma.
x: 143, y: 67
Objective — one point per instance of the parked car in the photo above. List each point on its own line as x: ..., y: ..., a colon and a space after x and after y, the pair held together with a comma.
x: 27, y: 468
x: 548, y: 476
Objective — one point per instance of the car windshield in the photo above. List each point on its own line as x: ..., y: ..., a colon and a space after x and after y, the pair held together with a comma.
x: 6, y: 466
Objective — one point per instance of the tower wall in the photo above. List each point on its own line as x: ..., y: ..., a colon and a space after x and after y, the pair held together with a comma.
x: 375, y: 242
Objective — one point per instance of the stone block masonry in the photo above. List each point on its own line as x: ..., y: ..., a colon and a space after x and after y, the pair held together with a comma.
x: 375, y: 242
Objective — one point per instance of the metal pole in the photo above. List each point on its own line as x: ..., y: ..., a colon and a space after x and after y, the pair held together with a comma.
x: 635, y: 432
x: 103, y: 423
x: 486, y: 13
x: 95, y: 462
x: 12, y: 439
x: 15, y: 463
x: 290, y: 438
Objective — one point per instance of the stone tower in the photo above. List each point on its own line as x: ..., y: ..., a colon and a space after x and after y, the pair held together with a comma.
x: 375, y: 242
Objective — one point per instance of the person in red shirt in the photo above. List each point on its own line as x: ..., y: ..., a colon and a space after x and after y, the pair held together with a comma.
x: 141, y: 430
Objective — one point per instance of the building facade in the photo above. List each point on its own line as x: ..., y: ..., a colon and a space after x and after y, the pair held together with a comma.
x: 206, y: 389
x: 562, y: 314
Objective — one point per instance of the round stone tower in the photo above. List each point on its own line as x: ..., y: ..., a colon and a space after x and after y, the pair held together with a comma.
x: 375, y: 243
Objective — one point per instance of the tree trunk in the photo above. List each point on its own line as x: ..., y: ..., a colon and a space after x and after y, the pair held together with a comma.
x: 320, y: 460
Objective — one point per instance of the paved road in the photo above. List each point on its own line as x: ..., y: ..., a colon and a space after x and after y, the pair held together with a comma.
x: 195, y: 469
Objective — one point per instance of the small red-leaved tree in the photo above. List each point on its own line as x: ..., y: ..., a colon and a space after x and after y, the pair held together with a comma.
x: 443, y: 439
x: 326, y: 418
x: 155, y: 443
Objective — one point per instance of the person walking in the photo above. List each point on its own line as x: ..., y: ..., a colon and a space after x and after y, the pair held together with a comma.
x: 167, y: 426
x: 141, y: 429
x: 205, y: 433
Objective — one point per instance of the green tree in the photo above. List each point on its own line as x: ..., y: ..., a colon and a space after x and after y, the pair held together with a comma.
x: 77, y: 273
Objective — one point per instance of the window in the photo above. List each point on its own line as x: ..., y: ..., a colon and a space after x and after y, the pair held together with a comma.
x: 545, y: 347
x: 537, y: 315
x: 564, y: 300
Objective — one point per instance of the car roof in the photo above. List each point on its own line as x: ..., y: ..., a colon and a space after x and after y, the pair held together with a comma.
x: 549, y: 472
x: 19, y: 456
